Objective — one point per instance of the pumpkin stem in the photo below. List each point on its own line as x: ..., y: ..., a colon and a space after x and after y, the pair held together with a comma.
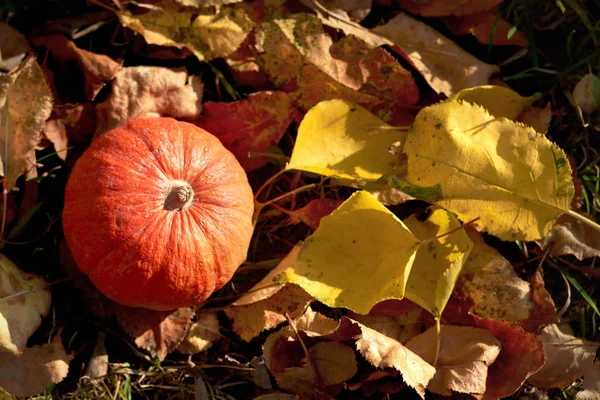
x: 180, y: 196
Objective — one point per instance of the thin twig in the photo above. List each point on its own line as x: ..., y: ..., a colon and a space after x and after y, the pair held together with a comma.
x: 268, y: 182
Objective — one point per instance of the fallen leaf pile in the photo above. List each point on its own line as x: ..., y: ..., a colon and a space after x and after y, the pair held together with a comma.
x: 390, y: 171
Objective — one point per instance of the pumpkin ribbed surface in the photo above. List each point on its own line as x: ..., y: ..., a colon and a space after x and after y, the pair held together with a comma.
x: 158, y: 214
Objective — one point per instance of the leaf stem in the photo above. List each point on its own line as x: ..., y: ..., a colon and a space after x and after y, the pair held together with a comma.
x: 268, y: 182
x: 451, y: 231
x: 583, y: 219
x: 290, y: 193
x: 438, y: 342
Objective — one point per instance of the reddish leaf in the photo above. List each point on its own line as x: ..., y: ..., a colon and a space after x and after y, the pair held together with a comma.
x: 521, y: 356
x: 312, y: 213
x: 249, y: 125
x: 159, y: 332
x: 440, y: 8
x: 545, y: 311
x: 481, y: 24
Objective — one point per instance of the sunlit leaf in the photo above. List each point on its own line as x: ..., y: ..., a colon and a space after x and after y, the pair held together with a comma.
x: 499, y: 101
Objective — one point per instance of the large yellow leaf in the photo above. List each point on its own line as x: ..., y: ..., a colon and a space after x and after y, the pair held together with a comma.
x: 500, y: 101
x: 511, y: 177
x: 339, y: 139
x: 207, y: 36
x: 360, y: 255
x: 438, y: 262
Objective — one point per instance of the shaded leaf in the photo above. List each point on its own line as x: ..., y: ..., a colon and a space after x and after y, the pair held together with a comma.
x: 536, y: 117
x: 438, y: 262
x: 481, y: 26
x: 97, y: 366
x: 440, y: 8
x: 312, y: 213
x: 149, y: 92
x: 378, y: 252
x: 354, y: 10
x: 591, y: 383
x: 339, y: 139
x: 586, y: 93
x: 20, y: 315
x: 34, y: 370
x: 512, y: 178
x: 567, y: 357
x: 201, y: 334
x: 13, y: 47
x: 446, y: 67
x: 465, y: 356
x: 97, y: 69
x: 521, y: 356
x: 250, y: 125
x: 55, y: 132
x: 335, y: 361
x: 207, y: 35
x: 25, y: 103
x: 573, y: 237
x: 159, y: 332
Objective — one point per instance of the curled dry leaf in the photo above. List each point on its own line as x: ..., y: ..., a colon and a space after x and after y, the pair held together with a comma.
x: 25, y: 103
x: 34, y: 370
x: 97, y: 367
x: 264, y: 305
x: 201, y: 334
x: 149, y: 92
x: 464, y: 358
x: 567, y: 357
x: 159, y: 332
x: 440, y: 8
x: 521, y: 356
x: 55, y: 132
x: 301, y: 58
x: 21, y: 315
x: 444, y: 65
x: 97, y: 69
x: 249, y: 126
x: 206, y: 34
x: 573, y: 237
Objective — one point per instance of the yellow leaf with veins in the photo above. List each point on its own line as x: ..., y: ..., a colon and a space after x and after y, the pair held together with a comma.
x: 512, y: 178
x: 499, y: 101
x: 360, y: 255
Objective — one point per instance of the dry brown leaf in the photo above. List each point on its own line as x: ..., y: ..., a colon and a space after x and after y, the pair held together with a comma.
x: 13, y: 47
x: 444, y: 65
x: 97, y: 69
x: 97, y: 366
x: 248, y: 321
x: 567, y: 357
x: 354, y: 10
x: 481, y: 25
x: 201, y: 334
x: 25, y: 103
x: 440, y: 8
x: 573, y: 237
x: 35, y: 370
x: 545, y: 310
x: 464, y: 358
x: 312, y: 212
x: 591, y: 383
x: 55, y: 132
x: 335, y: 361
x: 249, y: 126
x: 21, y: 315
x: 521, y: 356
x: 159, y: 332
x: 538, y: 118
x: 205, y: 3
x: 149, y: 92
x: 302, y: 59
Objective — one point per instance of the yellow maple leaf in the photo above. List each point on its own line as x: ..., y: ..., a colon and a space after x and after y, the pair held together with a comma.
x: 512, y: 178
x: 207, y: 36
x: 339, y: 139
x: 438, y: 262
x: 360, y: 255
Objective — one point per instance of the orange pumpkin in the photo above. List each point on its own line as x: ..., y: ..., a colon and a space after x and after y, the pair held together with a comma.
x: 158, y: 214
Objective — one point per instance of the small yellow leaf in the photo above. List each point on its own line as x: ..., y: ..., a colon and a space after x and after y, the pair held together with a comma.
x: 500, y: 101
x: 360, y: 255
x: 511, y: 177
x: 20, y: 316
x: 338, y: 138
x: 207, y: 36
x: 438, y: 262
